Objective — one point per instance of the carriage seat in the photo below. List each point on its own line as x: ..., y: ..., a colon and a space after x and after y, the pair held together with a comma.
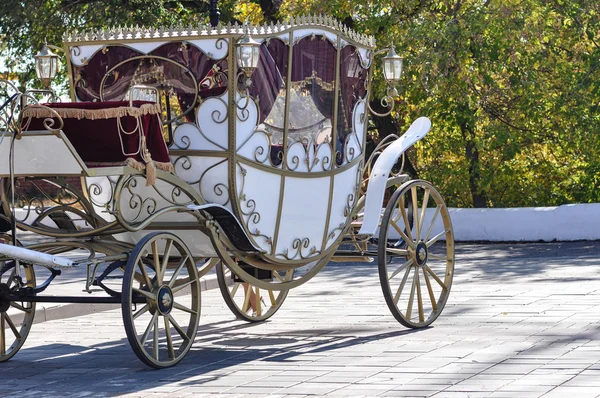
x: 108, y: 134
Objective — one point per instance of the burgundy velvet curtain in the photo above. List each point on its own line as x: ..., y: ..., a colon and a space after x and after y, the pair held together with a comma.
x: 97, y: 141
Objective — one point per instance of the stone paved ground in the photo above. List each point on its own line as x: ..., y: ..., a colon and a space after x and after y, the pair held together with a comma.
x: 522, y: 321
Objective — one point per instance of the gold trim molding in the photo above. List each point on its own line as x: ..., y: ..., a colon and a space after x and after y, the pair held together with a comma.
x: 120, y: 34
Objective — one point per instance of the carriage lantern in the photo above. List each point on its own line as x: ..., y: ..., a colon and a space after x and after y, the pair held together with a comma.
x: 392, y: 67
x: 248, y: 51
x: 46, y: 65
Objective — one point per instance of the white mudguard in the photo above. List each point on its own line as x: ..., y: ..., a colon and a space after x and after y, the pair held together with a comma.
x: 381, y: 171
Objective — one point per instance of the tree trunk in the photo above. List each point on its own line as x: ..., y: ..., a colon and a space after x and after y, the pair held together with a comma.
x: 472, y: 154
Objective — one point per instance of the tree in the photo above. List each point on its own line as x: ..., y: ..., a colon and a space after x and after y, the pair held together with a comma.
x: 512, y: 87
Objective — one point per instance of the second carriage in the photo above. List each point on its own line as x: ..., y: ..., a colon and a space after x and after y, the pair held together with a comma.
x: 239, y: 147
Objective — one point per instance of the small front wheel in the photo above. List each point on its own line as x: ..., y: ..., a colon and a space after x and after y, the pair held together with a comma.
x: 416, y: 254
x: 161, y: 300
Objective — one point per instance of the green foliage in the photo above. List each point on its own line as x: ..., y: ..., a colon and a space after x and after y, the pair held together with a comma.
x: 512, y: 87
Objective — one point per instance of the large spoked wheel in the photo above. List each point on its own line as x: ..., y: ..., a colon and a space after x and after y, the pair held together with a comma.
x: 161, y: 300
x: 416, y: 254
x: 248, y: 302
x: 16, y: 318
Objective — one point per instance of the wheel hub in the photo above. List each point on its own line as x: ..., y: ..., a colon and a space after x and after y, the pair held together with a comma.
x: 164, y: 300
x: 4, y: 300
x: 421, y: 253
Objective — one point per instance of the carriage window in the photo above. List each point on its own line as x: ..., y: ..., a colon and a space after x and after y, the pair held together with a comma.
x: 352, y: 88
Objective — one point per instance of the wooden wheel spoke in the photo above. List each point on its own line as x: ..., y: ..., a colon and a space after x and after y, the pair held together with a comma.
x: 166, y: 256
x: 411, y: 298
x: 257, y: 306
x: 248, y: 293
x: 419, y: 297
x: 177, y: 271
x: 415, y: 207
x: 401, y: 287
x: 406, y: 238
x: 278, y: 276
x: 155, y: 339
x: 20, y: 307
x: 436, y: 238
x: 430, y: 290
x: 272, y: 298
x: 235, y: 288
x: 178, y: 328
x: 401, y: 252
x: 148, y: 329
x: 184, y: 308
x: 432, y: 223
x: 436, y: 257
x: 142, y: 268
x: 144, y: 293
x: 402, y: 267
x: 406, y: 223
x: 424, y: 209
x: 157, y: 265
x: 169, y: 339
x: 3, y: 335
x: 437, y: 279
x: 141, y: 311
x: 182, y: 286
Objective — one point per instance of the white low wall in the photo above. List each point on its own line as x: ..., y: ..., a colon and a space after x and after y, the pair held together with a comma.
x: 562, y: 223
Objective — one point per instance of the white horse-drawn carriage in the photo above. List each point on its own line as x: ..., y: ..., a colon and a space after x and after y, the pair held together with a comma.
x: 237, y: 147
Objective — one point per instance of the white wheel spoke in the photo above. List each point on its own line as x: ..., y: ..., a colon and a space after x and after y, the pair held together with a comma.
x: 272, y: 298
x: 235, y: 288
x: 402, y: 267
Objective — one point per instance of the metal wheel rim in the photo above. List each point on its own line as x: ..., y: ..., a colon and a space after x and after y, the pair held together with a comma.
x: 10, y: 331
x: 416, y: 277
x: 255, y: 299
x: 163, y: 351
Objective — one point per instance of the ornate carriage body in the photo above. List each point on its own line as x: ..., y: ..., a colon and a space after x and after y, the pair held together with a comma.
x: 285, y: 154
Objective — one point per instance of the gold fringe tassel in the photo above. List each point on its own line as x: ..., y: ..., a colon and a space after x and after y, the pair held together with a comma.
x: 91, y: 114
